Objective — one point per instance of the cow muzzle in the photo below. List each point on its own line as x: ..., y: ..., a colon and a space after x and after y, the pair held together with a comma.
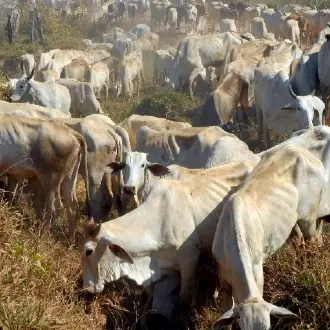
x: 129, y: 190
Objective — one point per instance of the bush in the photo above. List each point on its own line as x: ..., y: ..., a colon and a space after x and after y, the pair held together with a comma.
x: 174, y: 106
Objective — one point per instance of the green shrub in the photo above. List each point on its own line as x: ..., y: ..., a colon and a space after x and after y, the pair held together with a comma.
x: 175, y: 106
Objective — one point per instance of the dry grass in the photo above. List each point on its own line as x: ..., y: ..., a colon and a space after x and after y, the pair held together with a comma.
x: 40, y: 278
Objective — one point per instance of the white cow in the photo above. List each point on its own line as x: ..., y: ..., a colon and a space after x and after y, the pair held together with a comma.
x: 196, y: 53
x: 163, y: 65
x: 100, y: 79
x: 27, y: 64
x: 172, y: 19
x: 48, y: 94
x: 247, y: 234
x: 191, y: 17
x: 149, y: 229
x: 278, y: 106
x: 83, y: 100
x: 129, y: 71
x: 259, y: 29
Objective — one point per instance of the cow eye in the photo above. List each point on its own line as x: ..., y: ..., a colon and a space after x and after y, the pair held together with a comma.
x: 143, y: 165
x: 89, y: 252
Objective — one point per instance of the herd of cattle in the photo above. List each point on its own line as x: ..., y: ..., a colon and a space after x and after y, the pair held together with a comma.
x: 194, y: 189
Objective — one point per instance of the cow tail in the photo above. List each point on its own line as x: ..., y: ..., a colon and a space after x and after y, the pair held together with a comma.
x: 84, y: 169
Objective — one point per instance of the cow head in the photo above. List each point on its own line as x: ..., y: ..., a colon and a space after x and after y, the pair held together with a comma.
x: 253, y: 315
x: 100, y: 259
x: 135, y: 168
x: 306, y: 106
x: 21, y: 86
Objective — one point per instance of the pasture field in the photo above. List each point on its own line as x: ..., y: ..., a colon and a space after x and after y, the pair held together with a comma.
x: 40, y: 283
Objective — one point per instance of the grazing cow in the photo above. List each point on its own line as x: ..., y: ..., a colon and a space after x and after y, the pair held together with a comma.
x: 278, y: 106
x: 220, y: 106
x: 104, y: 146
x: 83, y: 100
x: 48, y: 154
x: 196, y: 53
x: 247, y: 234
x: 129, y: 71
x: 133, y: 123
x: 48, y: 94
x: 27, y: 64
x: 196, y: 200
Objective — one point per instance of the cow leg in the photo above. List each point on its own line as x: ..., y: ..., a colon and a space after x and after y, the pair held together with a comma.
x: 192, y: 77
x: 38, y: 196
x: 319, y: 229
x: 227, y: 299
x: 188, y: 270
x: 12, y: 190
x: 265, y: 135
x: 68, y: 189
x: 324, y: 89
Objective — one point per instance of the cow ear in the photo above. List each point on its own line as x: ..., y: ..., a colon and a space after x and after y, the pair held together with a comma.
x: 158, y: 169
x: 120, y: 252
x: 116, y: 167
x: 225, y: 320
x: 282, y: 312
x: 7, y: 77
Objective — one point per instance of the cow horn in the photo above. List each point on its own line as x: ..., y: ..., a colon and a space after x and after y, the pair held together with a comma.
x: 22, y: 67
x: 31, y: 74
x: 292, y: 92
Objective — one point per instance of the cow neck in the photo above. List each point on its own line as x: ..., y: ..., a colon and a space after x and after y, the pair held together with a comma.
x: 149, y: 181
